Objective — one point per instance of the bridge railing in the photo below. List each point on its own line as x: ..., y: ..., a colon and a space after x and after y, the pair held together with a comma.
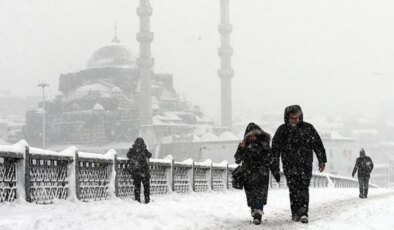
x: 93, y: 173
x: 46, y: 175
x: 9, y: 158
x: 41, y: 176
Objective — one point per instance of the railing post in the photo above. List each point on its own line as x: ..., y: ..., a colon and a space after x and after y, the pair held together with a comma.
x: 112, y: 187
x: 226, y: 175
x: 27, y: 174
x: 116, y: 167
x: 193, y: 177
x: 77, y: 172
x: 20, y: 178
x: 71, y: 178
x: 171, y: 178
x: 210, y: 180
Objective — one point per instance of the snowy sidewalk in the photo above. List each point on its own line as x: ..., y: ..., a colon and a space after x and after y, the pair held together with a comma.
x: 329, y: 209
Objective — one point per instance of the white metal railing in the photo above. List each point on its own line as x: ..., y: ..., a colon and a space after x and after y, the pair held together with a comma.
x: 40, y: 176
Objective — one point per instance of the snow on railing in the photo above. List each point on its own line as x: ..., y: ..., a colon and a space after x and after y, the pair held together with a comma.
x: 46, y: 175
x: 40, y: 176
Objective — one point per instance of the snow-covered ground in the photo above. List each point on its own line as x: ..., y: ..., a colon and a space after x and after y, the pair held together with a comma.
x: 329, y: 209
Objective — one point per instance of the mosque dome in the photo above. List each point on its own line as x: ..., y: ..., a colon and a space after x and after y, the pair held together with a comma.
x: 113, y: 55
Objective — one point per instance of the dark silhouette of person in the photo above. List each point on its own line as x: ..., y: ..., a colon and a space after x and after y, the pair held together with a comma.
x: 138, y: 165
x: 364, y: 166
x: 295, y: 141
x: 254, y: 152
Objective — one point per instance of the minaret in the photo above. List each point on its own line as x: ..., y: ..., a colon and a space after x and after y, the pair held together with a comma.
x: 115, y: 39
x: 225, y: 72
x: 145, y: 62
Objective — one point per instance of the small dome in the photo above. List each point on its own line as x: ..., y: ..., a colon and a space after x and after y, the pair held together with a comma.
x: 227, y: 136
x: 98, y: 107
x: 155, y: 107
x: 116, y: 90
x: 93, y: 87
x: 240, y: 135
x: 112, y: 55
x: 209, y: 137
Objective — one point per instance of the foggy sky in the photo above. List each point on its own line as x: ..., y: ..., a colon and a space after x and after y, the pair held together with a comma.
x: 331, y: 57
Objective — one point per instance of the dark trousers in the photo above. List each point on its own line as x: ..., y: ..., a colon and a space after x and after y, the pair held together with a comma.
x: 298, y: 183
x: 256, y: 195
x: 138, y: 179
x: 363, y: 182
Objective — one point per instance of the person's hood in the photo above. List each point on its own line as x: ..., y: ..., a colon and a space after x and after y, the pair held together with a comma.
x: 293, y: 109
x: 362, y: 153
x: 252, y: 128
x: 139, y: 143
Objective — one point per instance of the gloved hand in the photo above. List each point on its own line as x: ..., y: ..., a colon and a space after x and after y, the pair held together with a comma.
x: 242, y: 144
x: 276, y: 176
x: 322, y: 166
x: 352, y: 174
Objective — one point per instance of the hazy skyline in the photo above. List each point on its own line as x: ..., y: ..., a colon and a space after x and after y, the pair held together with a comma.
x: 328, y: 56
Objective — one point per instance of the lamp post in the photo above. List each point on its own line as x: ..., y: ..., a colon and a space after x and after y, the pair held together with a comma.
x: 43, y: 85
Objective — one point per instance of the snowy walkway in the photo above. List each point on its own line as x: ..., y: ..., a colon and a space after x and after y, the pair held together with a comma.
x: 330, y: 209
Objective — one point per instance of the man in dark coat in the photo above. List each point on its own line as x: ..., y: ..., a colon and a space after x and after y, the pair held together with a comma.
x: 254, y: 152
x: 364, y: 166
x: 295, y: 141
x: 138, y: 165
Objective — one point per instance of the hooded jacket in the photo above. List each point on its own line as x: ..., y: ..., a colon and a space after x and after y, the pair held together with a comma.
x: 295, y: 145
x: 256, y: 156
x: 138, y: 158
x: 363, y: 167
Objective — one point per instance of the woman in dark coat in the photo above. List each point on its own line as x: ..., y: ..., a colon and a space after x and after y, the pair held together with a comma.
x: 254, y: 152
x: 138, y: 164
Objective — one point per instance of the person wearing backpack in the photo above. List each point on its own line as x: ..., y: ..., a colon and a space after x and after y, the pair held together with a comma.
x: 254, y: 155
x: 364, y: 166
x: 138, y: 157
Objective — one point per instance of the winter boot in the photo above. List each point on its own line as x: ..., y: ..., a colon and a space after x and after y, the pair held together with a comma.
x: 304, y: 219
x: 295, y: 218
x: 257, y: 215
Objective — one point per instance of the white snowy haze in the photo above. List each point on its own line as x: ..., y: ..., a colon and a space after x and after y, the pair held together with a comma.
x: 331, y: 57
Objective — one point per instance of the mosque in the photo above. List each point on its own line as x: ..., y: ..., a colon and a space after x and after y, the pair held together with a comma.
x: 101, y: 103
x: 118, y: 97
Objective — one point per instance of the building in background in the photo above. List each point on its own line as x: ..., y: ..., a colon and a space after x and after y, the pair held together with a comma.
x: 380, y: 175
x: 391, y: 173
x: 12, y: 115
x: 101, y: 103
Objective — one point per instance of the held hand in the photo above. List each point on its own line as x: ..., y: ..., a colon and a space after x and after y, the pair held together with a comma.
x: 322, y: 167
x: 277, y: 178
